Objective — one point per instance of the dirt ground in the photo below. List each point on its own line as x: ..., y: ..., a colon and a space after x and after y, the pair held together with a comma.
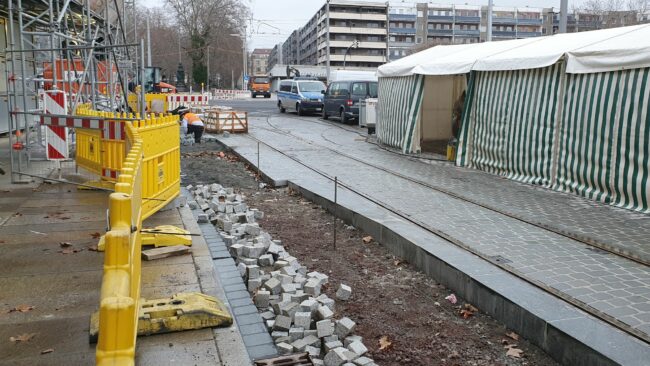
x: 391, y: 301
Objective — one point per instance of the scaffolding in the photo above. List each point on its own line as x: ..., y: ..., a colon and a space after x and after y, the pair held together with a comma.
x: 76, y: 47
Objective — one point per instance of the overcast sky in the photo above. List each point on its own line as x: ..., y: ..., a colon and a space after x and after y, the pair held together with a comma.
x: 274, y: 20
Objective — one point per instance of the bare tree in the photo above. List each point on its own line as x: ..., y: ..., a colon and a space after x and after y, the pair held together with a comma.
x: 206, y: 23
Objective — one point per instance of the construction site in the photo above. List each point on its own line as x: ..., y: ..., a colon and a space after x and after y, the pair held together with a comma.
x: 152, y: 219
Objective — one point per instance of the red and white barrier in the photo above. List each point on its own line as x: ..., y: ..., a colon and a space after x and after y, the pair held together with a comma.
x: 188, y: 100
x: 227, y: 94
x: 56, y: 137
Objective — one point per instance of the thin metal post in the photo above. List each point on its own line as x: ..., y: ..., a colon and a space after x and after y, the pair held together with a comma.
x: 245, y: 69
x: 259, y: 172
x: 22, y: 78
x: 336, y: 188
x: 327, y: 35
x: 208, y: 66
x: 564, y: 15
x: 143, y: 102
x: 11, y: 90
x: 489, y: 22
x: 148, y: 43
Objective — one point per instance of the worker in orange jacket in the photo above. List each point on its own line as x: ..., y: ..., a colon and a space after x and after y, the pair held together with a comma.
x: 191, y: 124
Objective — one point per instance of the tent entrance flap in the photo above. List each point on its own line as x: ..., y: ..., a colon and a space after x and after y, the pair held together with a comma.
x: 441, y: 96
x: 399, y: 112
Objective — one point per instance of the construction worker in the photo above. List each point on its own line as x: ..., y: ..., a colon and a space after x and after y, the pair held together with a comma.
x: 191, y: 124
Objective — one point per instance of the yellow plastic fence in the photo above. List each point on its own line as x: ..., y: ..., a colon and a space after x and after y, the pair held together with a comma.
x: 147, y: 157
x: 120, y: 293
x: 103, y: 153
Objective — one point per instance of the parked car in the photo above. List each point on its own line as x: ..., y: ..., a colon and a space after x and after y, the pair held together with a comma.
x: 301, y: 96
x: 342, y: 98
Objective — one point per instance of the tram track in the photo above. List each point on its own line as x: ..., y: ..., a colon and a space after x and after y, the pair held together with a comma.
x: 449, y: 238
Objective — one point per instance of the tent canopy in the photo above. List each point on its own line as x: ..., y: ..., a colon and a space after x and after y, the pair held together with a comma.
x: 594, y: 51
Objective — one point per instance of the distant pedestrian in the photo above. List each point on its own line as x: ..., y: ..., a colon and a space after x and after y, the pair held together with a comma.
x: 191, y: 124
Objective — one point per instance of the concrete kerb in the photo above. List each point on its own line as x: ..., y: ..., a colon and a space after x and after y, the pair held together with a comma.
x: 229, y: 341
x: 530, y: 311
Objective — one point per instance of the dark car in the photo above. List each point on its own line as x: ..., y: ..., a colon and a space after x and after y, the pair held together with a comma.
x: 342, y: 98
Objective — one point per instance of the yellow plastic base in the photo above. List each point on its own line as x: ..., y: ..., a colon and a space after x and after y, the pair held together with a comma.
x: 185, y: 311
x: 166, y: 236
x: 99, y: 184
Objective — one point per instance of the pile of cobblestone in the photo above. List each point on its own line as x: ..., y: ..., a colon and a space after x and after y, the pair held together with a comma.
x: 298, y: 316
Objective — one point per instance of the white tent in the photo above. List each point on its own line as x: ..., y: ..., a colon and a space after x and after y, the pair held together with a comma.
x: 569, y: 111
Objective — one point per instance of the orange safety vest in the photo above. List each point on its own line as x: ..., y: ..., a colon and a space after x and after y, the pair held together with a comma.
x: 191, y: 118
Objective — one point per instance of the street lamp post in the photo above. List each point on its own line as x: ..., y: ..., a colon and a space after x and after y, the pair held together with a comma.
x: 354, y: 44
x: 244, y: 54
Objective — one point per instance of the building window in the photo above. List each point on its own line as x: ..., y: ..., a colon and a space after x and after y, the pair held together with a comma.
x: 392, y: 38
x: 419, y: 40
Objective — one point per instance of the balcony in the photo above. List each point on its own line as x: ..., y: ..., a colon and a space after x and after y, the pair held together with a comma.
x: 472, y: 20
x: 440, y: 32
x: 359, y: 58
x: 400, y: 44
x: 507, y: 34
x: 358, y: 30
x: 529, y: 34
x: 441, y: 18
x: 401, y: 30
x: 345, y: 44
x: 530, y: 21
x: 496, y: 20
x: 467, y: 32
x: 402, y: 17
x: 357, y: 16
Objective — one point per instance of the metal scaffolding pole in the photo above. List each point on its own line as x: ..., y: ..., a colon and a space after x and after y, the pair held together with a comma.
x: 49, y: 41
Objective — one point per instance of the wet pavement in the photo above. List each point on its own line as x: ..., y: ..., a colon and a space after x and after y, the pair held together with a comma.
x: 50, y: 269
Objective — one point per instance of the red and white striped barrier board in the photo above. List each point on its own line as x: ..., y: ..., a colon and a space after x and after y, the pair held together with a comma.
x: 227, y: 94
x: 56, y: 137
x: 188, y: 100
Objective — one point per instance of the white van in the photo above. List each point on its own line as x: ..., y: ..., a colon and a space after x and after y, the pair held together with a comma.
x: 301, y: 96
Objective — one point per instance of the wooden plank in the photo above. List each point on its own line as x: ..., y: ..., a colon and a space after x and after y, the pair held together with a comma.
x: 164, y: 252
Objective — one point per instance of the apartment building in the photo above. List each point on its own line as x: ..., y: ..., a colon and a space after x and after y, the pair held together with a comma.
x: 414, y: 25
x: 275, y: 57
x: 259, y: 61
x: 354, y: 31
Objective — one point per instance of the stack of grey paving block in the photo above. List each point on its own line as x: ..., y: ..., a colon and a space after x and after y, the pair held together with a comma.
x: 187, y: 140
x: 288, y: 296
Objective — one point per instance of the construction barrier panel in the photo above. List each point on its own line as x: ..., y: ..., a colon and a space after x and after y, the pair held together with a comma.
x: 161, y: 103
x: 227, y: 94
x: 120, y: 293
x: 161, y: 160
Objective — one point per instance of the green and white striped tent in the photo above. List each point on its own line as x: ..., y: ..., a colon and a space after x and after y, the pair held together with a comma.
x: 568, y: 112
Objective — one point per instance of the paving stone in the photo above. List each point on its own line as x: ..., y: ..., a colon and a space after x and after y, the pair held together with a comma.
x: 350, y: 339
x: 266, y: 260
x: 262, y: 299
x: 336, y: 357
x: 325, y: 328
x: 328, y: 346
x: 324, y: 312
x: 284, y: 348
x: 302, y: 343
x: 303, y: 319
x: 358, y: 348
x: 343, y: 292
x: 273, y: 285
x: 296, y: 333
x: 282, y: 323
x: 344, y: 326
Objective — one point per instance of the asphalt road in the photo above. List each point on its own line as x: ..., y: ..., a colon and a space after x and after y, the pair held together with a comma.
x: 255, y: 106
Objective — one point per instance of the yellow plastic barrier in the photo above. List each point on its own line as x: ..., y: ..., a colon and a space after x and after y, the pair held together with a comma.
x: 103, y: 152
x: 145, y: 154
x: 120, y: 293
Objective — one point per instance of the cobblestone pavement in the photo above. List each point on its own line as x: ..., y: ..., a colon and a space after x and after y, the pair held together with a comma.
x: 615, y: 286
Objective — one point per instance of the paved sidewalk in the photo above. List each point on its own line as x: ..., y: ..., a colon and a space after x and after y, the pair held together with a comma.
x: 612, y: 286
x: 64, y: 288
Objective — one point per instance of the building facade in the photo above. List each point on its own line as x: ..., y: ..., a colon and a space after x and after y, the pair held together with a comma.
x: 275, y: 57
x: 388, y: 32
x: 259, y: 61
x: 354, y: 32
